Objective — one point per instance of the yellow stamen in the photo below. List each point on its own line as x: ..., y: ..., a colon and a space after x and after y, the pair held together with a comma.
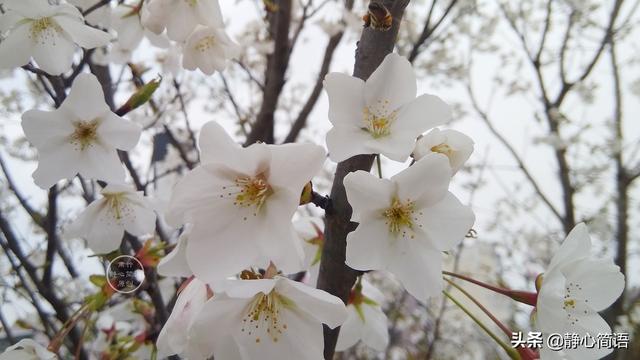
x: 443, y: 149
x: 254, y: 191
x: 399, y: 215
x: 206, y: 43
x: 262, y: 316
x: 85, y: 134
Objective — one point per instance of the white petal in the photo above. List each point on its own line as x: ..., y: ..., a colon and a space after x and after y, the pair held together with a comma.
x: 55, y: 162
x: 101, y: 163
x: 346, y: 99
x: 375, y: 332
x: 423, y: 113
x: 212, y: 330
x: 16, y: 49
x: 196, y: 190
x: 99, y: 226
x: 344, y: 142
x: 142, y: 219
x: 318, y: 304
x: 54, y: 52
x: 294, y: 165
x: 43, y: 128
x: 393, y: 81
x: 367, y: 194
x: 351, y: 331
x: 174, y: 335
x: 417, y: 267
x: 120, y: 133
x: 175, y: 262
x: 214, y: 257
x: 86, y: 98
x: 83, y: 35
x: 209, y: 13
x: 396, y: 146
x: 214, y: 143
x: 600, y: 280
x: 246, y: 289
x: 447, y: 222
x: 576, y: 246
x: 424, y: 182
x: 368, y: 246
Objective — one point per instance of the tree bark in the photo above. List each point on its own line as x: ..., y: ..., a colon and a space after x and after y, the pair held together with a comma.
x: 335, y: 276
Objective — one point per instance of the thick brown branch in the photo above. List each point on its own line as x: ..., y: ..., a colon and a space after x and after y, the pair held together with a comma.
x: 335, y: 277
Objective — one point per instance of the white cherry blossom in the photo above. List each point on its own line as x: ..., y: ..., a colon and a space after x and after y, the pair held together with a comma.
x: 180, y: 17
x: 311, y: 234
x: 27, y: 349
x: 174, y: 336
x: 574, y: 289
x: 268, y: 319
x: 79, y: 137
x: 127, y: 23
x: 105, y: 220
x: 99, y: 17
x: 381, y: 115
x: 365, y: 319
x: 405, y: 223
x: 208, y: 49
x: 240, y: 202
x: 454, y: 144
x: 47, y: 33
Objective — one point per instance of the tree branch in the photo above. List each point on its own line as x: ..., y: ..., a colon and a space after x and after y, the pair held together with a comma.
x: 335, y: 276
x: 277, y: 64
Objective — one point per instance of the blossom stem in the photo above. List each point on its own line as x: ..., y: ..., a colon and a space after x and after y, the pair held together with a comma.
x: 524, y: 297
x: 502, y: 326
x: 379, y: 164
x: 513, y: 354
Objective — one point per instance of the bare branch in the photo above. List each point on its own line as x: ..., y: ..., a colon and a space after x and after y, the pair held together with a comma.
x: 277, y: 64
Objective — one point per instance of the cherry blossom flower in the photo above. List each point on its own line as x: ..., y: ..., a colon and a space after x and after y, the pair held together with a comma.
x: 240, y: 202
x: 175, y: 262
x: 27, y: 349
x: 174, y: 336
x: 405, y: 223
x: 47, y: 33
x: 268, y: 319
x: 79, y: 137
x: 208, y: 49
x: 381, y: 115
x: 180, y: 18
x: 105, y: 220
x: 365, y: 319
x: 573, y: 290
x: 454, y: 144
x: 311, y: 234
x: 99, y: 17
x: 126, y: 22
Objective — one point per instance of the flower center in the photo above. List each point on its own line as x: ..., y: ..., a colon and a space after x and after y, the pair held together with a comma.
x: 85, y: 133
x: 574, y: 303
x: 262, y: 318
x: 400, y: 216
x: 206, y: 43
x: 117, y: 204
x: 254, y: 191
x: 378, y: 125
x: 43, y: 28
x: 191, y: 2
x: 443, y: 149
